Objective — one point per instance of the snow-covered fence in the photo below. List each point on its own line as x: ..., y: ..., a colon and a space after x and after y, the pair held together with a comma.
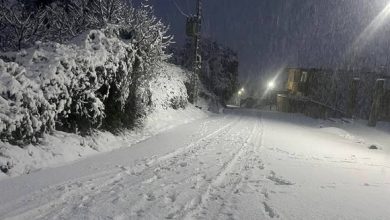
x: 333, y: 87
x: 344, y: 92
x: 307, y: 106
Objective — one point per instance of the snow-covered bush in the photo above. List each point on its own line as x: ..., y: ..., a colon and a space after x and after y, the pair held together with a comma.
x: 99, y: 80
x: 25, y: 114
x: 148, y: 39
x: 169, y: 90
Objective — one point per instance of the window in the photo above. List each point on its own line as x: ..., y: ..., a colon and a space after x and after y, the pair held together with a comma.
x: 304, y: 77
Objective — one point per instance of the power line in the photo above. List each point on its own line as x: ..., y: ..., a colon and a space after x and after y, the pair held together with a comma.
x: 179, y: 9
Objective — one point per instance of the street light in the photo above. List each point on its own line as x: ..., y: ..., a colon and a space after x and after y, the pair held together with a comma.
x: 271, y: 85
x: 240, y: 93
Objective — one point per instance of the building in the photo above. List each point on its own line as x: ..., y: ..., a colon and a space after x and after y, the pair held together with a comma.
x: 300, y: 87
x: 297, y: 81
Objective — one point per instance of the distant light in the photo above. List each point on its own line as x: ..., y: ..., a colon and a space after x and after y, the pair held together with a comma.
x: 271, y: 85
x: 241, y: 91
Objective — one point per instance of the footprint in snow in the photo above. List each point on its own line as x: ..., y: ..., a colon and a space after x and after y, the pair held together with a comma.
x: 328, y: 187
x: 150, y: 197
x: 278, y: 180
x: 270, y: 211
x: 116, y: 200
x: 123, y: 168
x: 183, y: 164
x: 170, y: 216
x: 171, y: 198
x: 61, y: 188
x: 140, y: 213
x: 265, y: 193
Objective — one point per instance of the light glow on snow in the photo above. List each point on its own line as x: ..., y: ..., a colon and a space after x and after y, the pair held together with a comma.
x: 370, y: 31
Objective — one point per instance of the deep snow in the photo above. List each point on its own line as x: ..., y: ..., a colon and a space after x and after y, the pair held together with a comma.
x: 244, y: 164
x: 61, y: 148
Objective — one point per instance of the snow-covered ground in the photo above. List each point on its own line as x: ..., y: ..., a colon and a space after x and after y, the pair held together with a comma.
x: 61, y: 148
x: 244, y: 164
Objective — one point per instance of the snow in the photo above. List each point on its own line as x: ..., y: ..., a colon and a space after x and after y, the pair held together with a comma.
x: 47, y: 86
x: 243, y: 164
x: 169, y: 86
x: 62, y: 148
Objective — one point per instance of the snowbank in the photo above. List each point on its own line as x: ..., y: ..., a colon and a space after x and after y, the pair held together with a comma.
x: 358, y: 132
x: 167, y: 89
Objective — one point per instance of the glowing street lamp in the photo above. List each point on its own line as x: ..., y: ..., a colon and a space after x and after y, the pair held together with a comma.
x: 240, y: 93
x: 271, y: 85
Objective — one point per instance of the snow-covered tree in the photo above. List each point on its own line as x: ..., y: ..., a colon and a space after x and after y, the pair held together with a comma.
x: 20, y: 27
x: 100, y: 79
x: 148, y: 37
x: 219, y: 66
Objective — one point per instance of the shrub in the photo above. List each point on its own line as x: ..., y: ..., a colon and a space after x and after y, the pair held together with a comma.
x: 96, y: 81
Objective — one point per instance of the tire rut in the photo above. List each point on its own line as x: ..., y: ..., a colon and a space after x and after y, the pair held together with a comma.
x: 224, y: 185
x: 111, y: 181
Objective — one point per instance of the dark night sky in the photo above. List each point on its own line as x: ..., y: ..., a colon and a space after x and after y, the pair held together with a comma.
x: 269, y: 34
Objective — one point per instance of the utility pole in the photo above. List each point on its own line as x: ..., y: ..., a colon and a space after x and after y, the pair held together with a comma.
x: 376, y: 103
x: 193, y: 29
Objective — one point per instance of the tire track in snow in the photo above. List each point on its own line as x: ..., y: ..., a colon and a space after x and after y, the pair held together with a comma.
x: 178, y: 213
x: 192, y: 145
x: 158, y: 191
x: 252, y: 163
x: 60, y: 203
x: 255, y: 187
x: 224, y: 185
x: 171, y: 165
x: 249, y: 167
x: 61, y: 195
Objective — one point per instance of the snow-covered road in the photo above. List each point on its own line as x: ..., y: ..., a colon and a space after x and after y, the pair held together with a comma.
x: 244, y: 164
